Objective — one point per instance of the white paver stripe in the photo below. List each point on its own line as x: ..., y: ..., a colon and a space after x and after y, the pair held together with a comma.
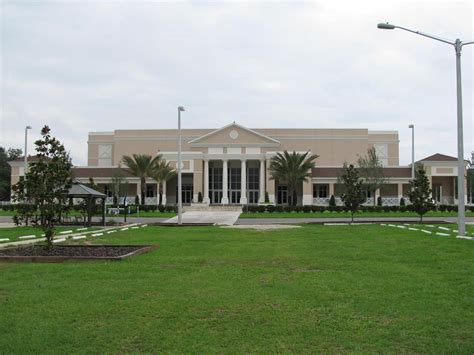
x: 27, y: 237
x: 413, y: 229
x: 135, y: 227
x: 81, y: 229
x: 65, y: 232
x: 382, y: 224
x: 4, y: 239
x: 463, y: 237
x: 401, y: 227
x: 425, y: 231
x: 444, y: 228
x: 124, y: 229
x: 59, y: 240
x: 111, y: 231
x: 97, y: 234
x: 431, y: 226
x: 443, y: 234
x: 145, y: 225
x: 79, y: 237
x: 392, y: 225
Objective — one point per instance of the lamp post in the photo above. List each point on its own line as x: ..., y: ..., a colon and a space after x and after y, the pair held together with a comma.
x: 457, y: 44
x: 180, y: 197
x: 26, y: 149
x: 412, y: 151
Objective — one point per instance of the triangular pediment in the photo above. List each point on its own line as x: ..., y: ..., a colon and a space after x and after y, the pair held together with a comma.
x: 234, y: 134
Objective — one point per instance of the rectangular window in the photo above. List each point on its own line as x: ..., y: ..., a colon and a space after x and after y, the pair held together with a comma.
x: 150, y: 190
x: 320, y: 190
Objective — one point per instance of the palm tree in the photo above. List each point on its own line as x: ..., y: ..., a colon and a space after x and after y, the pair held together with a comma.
x: 163, y: 172
x: 142, y: 166
x: 292, y: 169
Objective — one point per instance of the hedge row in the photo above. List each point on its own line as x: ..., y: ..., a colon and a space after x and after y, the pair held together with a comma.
x: 315, y: 209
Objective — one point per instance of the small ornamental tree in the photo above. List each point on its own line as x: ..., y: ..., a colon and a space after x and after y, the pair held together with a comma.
x: 420, y: 193
x: 353, y: 192
x: 46, y: 185
x: 371, y: 170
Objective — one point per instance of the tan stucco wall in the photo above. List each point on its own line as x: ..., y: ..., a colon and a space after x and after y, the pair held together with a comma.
x: 334, y: 146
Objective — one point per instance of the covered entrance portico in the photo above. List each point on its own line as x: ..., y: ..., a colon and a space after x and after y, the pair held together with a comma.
x: 234, y: 181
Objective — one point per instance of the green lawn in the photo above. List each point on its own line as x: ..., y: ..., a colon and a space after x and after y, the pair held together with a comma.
x: 13, y: 233
x: 207, y: 290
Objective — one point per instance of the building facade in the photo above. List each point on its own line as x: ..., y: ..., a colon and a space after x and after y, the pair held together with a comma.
x: 230, y: 165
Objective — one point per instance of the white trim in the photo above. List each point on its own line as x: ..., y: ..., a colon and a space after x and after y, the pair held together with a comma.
x: 233, y: 124
x: 105, y: 133
x: 382, y: 132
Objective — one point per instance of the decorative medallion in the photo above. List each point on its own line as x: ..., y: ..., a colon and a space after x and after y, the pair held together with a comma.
x: 233, y: 134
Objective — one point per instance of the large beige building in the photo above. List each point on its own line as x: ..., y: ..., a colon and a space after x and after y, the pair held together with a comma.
x: 214, y: 159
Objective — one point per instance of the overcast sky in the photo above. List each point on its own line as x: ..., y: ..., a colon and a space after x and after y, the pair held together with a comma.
x: 99, y: 66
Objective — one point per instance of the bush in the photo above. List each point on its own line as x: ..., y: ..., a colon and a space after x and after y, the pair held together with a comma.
x: 402, y: 202
x: 332, y: 201
x: 261, y: 208
x: 199, y: 197
x: 379, y: 201
x: 137, y: 200
x: 307, y: 208
x: 271, y: 208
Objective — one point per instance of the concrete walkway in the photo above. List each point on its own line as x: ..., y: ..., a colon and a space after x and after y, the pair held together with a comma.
x: 224, y: 218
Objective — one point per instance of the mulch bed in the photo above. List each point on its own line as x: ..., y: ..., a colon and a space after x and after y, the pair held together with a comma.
x: 60, y: 253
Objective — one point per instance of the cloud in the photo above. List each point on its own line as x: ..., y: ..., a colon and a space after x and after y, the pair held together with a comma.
x: 97, y: 66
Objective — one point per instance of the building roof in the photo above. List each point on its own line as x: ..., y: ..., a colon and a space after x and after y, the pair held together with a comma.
x: 80, y: 190
x: 30, y: 159
x: 439, y: 157
x: 98, y: 172
x: 395, y: 172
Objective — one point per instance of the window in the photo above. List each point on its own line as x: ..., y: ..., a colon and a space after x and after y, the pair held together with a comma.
x: 320, y: 190
x: 105, y: 154
x: 150, y: 190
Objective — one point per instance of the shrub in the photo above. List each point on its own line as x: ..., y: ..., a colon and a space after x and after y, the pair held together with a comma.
x: 199, y: 197
x: 306, y: 208
x: 379, y: 201
x: 271, y: 208
x: 332, y: 201
x: 161, y: 208
x: 137, y: 200
x: 261, y: 208
x: 402, y: 202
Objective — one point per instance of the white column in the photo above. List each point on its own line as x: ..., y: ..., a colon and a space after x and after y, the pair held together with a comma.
x: 157, y: 193
x: 400, y: 191
x: 205, y: 198
x: 163, y: 196
x: 243, y: 183
x: 225, y: 199
x: 261, y: 194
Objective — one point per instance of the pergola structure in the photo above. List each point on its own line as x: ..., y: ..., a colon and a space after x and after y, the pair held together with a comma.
x: 79, y: 190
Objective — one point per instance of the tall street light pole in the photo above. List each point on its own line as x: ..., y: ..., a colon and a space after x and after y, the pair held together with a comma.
x: 180, y: 188
x: 26, y: 150
x: 457, y: 44
x: 412, y: 151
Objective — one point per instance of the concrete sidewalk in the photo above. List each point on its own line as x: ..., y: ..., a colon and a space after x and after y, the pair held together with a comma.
x: 224, y: 218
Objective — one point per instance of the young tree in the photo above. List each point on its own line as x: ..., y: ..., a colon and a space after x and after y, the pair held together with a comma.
x: 46, y: 184
x: 142, y: 166
x: 371, y: 170
x: 118, y: 185
x: 353, y: 194
x: 163, y: 172
x: 420, y: 193
x: 291, y: 169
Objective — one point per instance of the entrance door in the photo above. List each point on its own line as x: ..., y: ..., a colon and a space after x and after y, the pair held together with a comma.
x: 234, y: 183
x: 215, y: 184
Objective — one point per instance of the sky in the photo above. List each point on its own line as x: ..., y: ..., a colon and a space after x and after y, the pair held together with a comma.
x: 81, y: 66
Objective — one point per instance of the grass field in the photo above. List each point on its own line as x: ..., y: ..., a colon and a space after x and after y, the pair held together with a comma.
x: 328, y: 214
x: 13, y: 233
x: 362, y: 289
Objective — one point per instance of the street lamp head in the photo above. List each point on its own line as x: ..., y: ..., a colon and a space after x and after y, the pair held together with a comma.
x: 28, y: 127
x: 411, y: 126
x: 180, y: 108
x: 385, y: 26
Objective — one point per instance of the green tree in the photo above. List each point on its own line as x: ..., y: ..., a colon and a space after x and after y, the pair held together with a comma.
x: 353, y: 194
x: 142, y: 166
x: 371, y: 171
x: 292, y: 169
x: 46, y: 185
x: 5, y: 170
x: 420, y: 193
x: 118, y: 185
x: 163, y: 172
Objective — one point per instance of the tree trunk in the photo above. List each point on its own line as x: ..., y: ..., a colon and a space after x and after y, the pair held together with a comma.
x: 160, y: 191
x: 352, y: 217
x: 143, y: 188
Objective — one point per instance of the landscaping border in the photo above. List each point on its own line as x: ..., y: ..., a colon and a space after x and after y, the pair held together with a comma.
x: 141, y: 249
